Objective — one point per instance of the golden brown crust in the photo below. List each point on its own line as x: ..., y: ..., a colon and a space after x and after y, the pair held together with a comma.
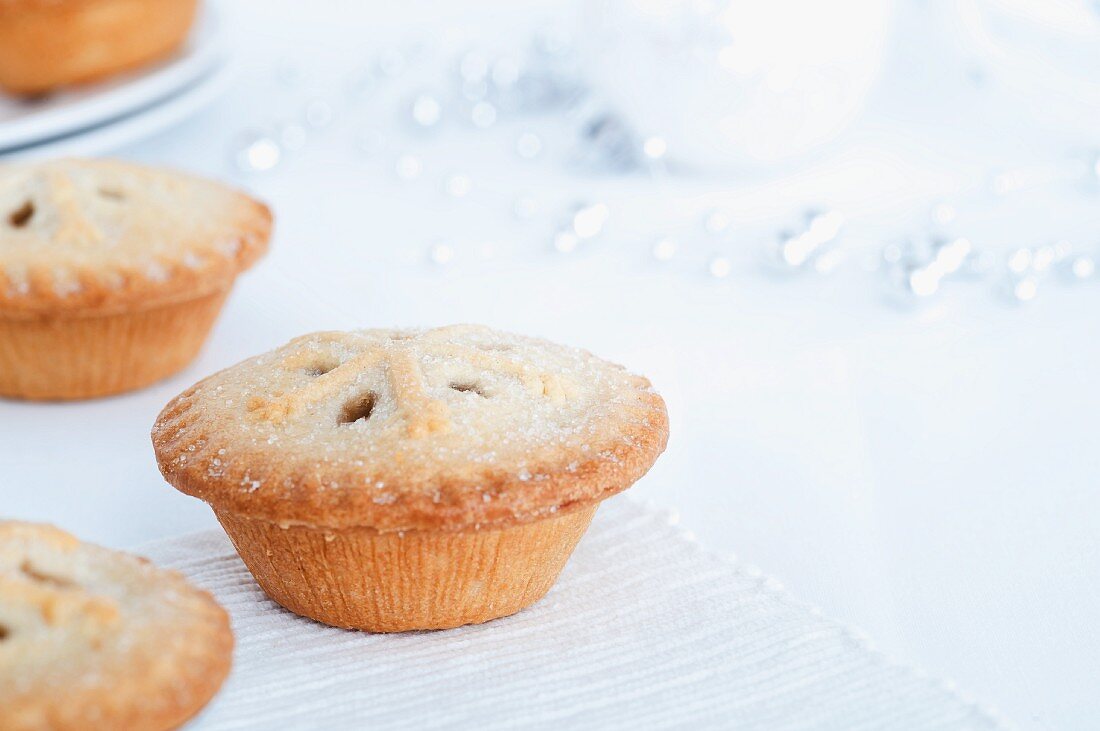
x: 65, y: 358
x: 45, y: 44
x: 93, y: 237
x: 94, y: 638
x: 558, y: 429
x: 396, y: 582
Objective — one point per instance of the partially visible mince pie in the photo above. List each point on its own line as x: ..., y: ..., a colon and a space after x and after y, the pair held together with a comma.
x: 111, y: 274
x: 45, y: 44
x: 97, y: 639
x: 393, y: 480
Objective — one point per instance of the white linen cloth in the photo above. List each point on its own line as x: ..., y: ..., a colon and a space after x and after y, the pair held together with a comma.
x: 643, y: 630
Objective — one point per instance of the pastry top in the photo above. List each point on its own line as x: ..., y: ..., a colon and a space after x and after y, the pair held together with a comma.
x: 454, y: 428
x: 93, y: 236
x: 94, y: 638
x: 25, y: 4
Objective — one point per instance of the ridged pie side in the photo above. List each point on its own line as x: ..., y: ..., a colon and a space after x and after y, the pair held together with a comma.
x: 391, y: 582
x: 65, y: 358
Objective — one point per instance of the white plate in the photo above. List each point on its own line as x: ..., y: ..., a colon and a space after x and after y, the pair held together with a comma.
x: 25, y: 122
x: 128, y: 129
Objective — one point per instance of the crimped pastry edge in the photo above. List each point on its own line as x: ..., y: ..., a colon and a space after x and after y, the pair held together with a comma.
x: 298, y: 497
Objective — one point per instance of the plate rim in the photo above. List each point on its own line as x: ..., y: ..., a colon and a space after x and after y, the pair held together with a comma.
x: 116, y: 133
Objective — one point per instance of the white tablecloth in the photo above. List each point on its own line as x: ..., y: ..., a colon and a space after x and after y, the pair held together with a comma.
x: 643, y: 630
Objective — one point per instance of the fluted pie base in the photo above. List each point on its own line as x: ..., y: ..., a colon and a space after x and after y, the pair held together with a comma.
x: 417, y: 580
x: 78, y: 357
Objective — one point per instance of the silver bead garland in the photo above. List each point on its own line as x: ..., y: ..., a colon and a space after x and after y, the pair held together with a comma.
x: 487, y: 90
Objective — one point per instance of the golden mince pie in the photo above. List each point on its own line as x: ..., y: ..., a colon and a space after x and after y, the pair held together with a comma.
x: 97, y: 639
x: 45, y: 44
x: 393, y: 480
x: 112, y: 274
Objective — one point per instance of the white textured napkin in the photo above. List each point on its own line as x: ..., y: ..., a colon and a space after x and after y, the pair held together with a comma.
x: 643, y: 630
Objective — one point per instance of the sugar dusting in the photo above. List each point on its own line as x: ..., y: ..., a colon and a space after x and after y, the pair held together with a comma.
x: 449, y: 400
x: 76, y: 615
x: 69, y: 218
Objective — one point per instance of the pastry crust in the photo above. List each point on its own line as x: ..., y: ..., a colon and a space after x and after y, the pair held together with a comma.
x: 94, y: 638
x: 396, y: 582
x: 95, y: 237
x: 45, y: 44
x: 465, y: 428
x: 65, y: 358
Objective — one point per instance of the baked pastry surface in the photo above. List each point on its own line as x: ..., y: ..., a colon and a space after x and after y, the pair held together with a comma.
x: 45, y: 44
x: 94, y: 638
x: 101, y: 236
x: 454, y: 428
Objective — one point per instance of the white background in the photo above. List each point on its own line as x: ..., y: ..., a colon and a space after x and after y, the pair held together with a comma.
x: 927, y: 473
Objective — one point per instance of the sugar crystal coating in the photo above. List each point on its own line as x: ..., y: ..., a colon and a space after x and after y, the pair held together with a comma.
x: 455, y: 416
x: 85, y: 232
x: 86, y: 632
